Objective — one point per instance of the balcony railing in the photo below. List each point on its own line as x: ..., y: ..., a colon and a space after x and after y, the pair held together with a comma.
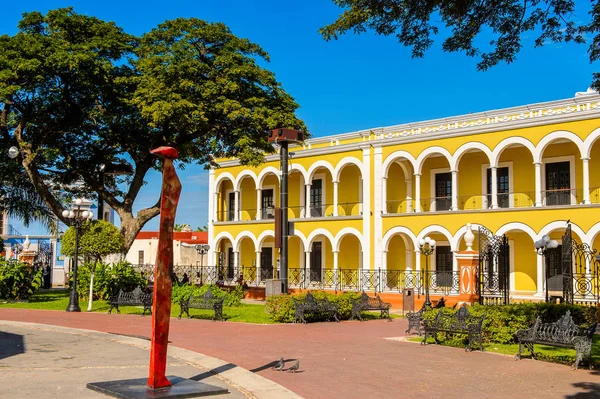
x: 595, y: 195
x: 437, y: 204
x: 442, y: 282
x: 567, y: 196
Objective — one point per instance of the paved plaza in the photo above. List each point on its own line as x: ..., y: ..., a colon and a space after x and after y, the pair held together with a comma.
x: 337, y: 360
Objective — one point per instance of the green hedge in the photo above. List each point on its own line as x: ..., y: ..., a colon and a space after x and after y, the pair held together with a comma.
x: 281, y: 307
x: 502, y: 321
x: 108, y: 279
x: 232, y: 298
x: 18, y: 281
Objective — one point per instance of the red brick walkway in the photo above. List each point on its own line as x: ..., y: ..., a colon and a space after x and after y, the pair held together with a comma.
x: 348, y: 359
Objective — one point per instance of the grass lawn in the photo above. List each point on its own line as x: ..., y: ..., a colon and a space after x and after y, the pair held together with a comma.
x: 543, y: 352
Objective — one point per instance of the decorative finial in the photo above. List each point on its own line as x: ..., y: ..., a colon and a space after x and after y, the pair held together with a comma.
x: 469, y: 237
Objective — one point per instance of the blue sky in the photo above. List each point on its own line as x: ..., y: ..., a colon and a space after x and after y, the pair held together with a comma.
x: 357, y: 82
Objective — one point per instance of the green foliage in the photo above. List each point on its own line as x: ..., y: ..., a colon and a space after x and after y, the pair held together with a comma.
x: 108, y: 279
x: 281, y: 307
x: 97, y: 238
x: 233, y: 298
x: 77, y: 92
x: 18, y: 281
x: 466, y: 23
x: 501, y: 322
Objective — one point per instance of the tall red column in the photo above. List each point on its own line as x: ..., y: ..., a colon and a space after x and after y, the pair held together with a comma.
x: 171, y: 190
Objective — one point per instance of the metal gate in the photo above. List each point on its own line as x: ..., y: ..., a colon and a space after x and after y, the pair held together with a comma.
x: 580, y: 268
x: 494, y: 269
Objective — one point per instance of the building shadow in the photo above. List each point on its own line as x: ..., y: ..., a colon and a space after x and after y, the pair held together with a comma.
x: 11, y: 344
x: 588, y: 389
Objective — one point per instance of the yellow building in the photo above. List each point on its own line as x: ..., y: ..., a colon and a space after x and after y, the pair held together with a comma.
x: 362, y: 201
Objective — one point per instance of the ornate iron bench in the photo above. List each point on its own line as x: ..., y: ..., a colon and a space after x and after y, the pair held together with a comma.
x: 563, y: 333
x: 205, y: 301
x: 318, y: 307
x: 415, y: 319
x: 366, y: 302
x: 460, y: 322
x: 137, y: 297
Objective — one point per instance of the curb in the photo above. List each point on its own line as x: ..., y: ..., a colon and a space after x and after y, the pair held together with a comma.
x: 251, y: 384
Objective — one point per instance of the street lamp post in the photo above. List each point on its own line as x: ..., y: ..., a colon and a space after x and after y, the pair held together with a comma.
x: 427, y: 247
x: 77, y: 218
x: 541, y: 247
x: 202, y: 249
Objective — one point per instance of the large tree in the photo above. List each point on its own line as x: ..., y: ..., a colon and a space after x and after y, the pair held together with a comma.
x: 77, y: 92
x: 466, y: 24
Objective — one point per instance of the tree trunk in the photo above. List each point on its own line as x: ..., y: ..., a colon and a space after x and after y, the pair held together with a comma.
x: 89, y: 309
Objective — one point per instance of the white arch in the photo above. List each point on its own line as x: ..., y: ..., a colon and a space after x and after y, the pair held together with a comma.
x: 507, y: 142
x: 263, y: 173
x: 430, y: 151
x: 393, y: 157
x: 345, y: 231
x: 301, y: 236
x: 262, y: 236
x: 345, y: 162
x: 220, y: 236
x: 472, y: 145
x: 561, y: 224
x: 320, y: 164
x: 242, y: 235
x: 461, y: 232
x: 315, y: 233
x: 436, y: 228
x: 517, y: 226
x: 589, y: 142
x: 399, y: 230
x: 299, y: 168
x: 592, y: 233
x: 559, y: 134
x: 223, y: 176
x: 242, y: 175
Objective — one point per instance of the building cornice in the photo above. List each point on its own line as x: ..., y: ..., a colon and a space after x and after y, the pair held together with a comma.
x: 560, y: 111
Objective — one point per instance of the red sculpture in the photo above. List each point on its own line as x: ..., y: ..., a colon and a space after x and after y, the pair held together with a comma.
x: 171, y: 189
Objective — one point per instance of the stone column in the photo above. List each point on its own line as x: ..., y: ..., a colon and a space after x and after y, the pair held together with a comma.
x: 236, y: 216
x: 236, y: 259
x: 538, y: 183
x: 307, y: 206
x: 454, y: 191
x: 586, y: 180
x: 335, y: 198
x: 408, y: 259
x: 418, y: 192
x: 307, y: 266
x: 384, y: 209
x: 468, y: 263
x: 258, y: 204
x: 216, y: 208
x: 494, y: 177
x: 408, y: 196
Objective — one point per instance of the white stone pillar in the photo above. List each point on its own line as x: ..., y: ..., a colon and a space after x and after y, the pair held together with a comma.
x: 417, y: 260
x: 494, y: 177
x: 454, y: 191
x: 307, y: 206
x: 409, y: 206
x: 307, y: 266
x: 335, y: 198
x: 409, y: 255
x: 257, y: 265
x: 258, y: 204
x: 236, y: 259
x: 384, y: 265
x: 538, y: 183
x: 335, y: 259
x: 236, y: 216
x: 384, y: 201
x: 540, y: 277
x: 586, y: 180
x: 216, y: 208
x: 418, y: 192
x: 366, y: 213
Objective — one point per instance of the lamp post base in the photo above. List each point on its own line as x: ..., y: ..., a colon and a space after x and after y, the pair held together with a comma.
x: 73, y: 303
x: 138, y: 389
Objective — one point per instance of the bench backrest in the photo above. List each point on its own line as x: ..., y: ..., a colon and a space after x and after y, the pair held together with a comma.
x: 206, y: 299
x: 132, y: 296
x: 562, y: 331
x: 458, y: 320
x: 310, y: 299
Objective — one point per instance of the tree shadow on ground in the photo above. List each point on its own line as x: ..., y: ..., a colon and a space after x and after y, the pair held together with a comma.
x: 11, y: 344
x: 588, y: 389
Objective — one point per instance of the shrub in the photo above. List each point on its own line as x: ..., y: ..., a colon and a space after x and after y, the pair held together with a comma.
x: 503, y: 321
x: 108, y: 279
x: 18, y: 281
x: 183, y: 291
x: 281, y: 307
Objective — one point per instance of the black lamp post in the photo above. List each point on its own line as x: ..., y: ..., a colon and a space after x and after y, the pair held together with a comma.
x: 542, y: 246
x: 427, y: 247
x: 202, y: 249
x: 77, y: 218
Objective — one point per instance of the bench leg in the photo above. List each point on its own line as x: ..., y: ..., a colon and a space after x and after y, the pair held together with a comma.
x: 111, y: 308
